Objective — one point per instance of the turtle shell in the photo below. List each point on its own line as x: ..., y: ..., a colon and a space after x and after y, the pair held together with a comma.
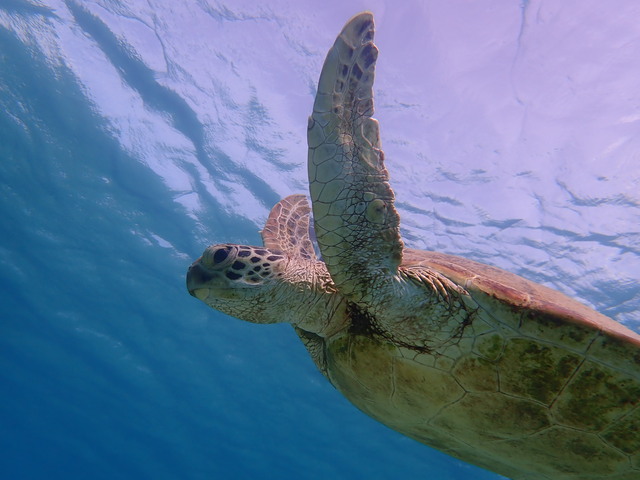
x: 536, y: 386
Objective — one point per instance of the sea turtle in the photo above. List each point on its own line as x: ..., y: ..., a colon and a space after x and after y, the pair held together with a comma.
x: 467, y: 358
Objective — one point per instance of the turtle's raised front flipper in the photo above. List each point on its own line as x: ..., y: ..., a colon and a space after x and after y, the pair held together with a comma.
x: 287, y: 227
x: 356, y: 223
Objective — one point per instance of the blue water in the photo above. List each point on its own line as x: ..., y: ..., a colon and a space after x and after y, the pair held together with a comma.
x: 133, y: 134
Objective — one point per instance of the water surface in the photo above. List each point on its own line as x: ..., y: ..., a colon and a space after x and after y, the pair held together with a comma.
x: 133, y: 134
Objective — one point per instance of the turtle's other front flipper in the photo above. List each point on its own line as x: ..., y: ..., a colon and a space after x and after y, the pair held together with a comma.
x: 356, y: 223
x: 287, y: 227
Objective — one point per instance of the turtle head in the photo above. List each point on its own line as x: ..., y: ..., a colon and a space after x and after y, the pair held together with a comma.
x: 238, y: 280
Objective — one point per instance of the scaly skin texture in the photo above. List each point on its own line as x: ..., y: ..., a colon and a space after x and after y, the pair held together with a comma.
x: 524, y: 382
x: 467, y: 358
x: 265, y: 286
x: 356, y: 223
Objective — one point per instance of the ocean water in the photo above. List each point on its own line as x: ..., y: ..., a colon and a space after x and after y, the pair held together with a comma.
x: 135, y: 133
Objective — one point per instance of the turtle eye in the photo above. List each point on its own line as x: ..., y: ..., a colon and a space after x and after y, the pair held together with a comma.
x: 221, y: 255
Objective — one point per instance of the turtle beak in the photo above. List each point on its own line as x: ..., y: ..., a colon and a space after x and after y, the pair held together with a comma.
x: 197, y: 277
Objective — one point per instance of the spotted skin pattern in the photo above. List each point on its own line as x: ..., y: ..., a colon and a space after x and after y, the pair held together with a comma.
x: 250, y: 265
x: 477, y: 362
x: 347, y: 178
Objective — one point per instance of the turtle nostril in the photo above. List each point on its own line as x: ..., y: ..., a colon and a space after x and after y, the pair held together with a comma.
x: 197, y: 277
